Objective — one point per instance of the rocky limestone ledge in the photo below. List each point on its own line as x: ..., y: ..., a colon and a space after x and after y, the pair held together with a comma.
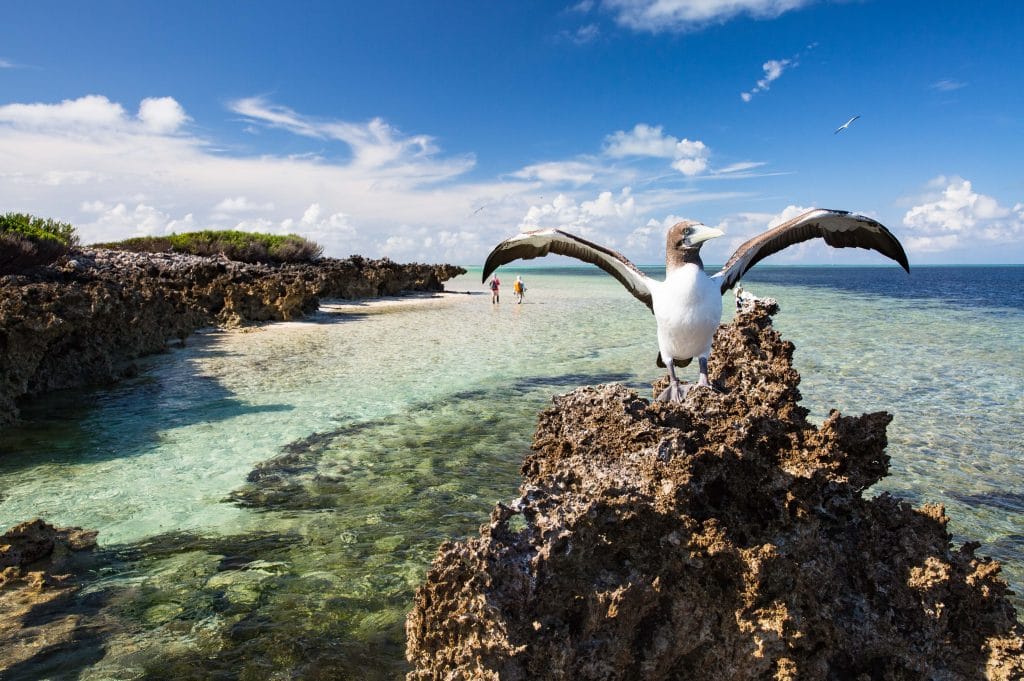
x: 82, y: 321
x: 727, y: 538
x: 38, y: 584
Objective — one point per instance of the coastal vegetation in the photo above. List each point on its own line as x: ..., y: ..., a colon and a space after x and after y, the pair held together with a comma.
x: 29, y: 241
x: 251, y: 247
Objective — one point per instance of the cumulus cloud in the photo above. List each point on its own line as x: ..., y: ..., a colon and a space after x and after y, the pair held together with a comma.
x: 688, y: 15
x: 953, y: 213
x: 162, y: 114
x: 651, y: 236
x: 689, y: 157
x: 241, y: 204
x: 91, y: 111
x: 600, y: 218
x: 118, y: 221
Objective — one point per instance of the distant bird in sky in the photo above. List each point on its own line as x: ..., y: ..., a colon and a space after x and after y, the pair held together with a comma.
x: 688, y: 304
x: 478, y: 210
x: 845, y: 125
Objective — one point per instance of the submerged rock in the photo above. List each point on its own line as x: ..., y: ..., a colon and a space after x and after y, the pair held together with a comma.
x: 39, y: 564
x: 725, y: 538
x: 84, y: 320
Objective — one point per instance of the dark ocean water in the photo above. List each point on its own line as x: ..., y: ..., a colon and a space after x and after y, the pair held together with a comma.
x: 981, y: 286
x: 995, y: 286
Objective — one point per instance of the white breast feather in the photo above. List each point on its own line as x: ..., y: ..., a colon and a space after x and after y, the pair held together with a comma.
x: 688, y: 308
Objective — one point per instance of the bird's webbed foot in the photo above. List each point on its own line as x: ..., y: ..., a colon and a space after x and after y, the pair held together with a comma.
x: 675, y: 392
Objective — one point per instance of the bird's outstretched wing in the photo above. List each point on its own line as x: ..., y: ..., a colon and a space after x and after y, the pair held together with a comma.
x: 838, y: 228
x: 540, y: 242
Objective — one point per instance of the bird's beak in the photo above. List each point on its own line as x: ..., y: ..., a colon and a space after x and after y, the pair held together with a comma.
x: 702, y: 233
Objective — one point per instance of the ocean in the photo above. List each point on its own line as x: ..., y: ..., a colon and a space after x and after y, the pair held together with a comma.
x: 269, y: 499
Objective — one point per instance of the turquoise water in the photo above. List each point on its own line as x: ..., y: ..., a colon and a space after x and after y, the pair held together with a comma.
x: 268, y: 500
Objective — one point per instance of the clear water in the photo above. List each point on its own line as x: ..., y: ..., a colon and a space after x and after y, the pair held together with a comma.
x: 268, y: 500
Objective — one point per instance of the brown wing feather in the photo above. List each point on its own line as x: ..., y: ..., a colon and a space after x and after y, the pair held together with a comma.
x: 839, y: 229
x: 535, y: 244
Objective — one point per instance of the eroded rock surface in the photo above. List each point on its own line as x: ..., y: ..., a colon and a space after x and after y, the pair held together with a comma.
x: 85, y: 319
x: 726, y: 538
x: 38, y: 582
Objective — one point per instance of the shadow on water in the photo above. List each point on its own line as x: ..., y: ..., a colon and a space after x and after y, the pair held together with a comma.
x: 297, y: 479
x: 997, y: 499
x: 121, y: 420
x: 67, y: 631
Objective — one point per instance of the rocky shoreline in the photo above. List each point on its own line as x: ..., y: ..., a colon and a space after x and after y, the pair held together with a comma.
x: 85, y: 319
x: 725, y: 538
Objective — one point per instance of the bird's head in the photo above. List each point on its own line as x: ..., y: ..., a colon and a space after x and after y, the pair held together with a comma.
x: 689, y: 235
x: 684, y: 241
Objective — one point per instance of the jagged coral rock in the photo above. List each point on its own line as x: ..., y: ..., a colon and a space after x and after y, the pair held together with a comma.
x: 726, y: 538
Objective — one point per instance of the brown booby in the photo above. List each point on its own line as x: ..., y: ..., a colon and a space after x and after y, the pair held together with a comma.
x: 688, y: 304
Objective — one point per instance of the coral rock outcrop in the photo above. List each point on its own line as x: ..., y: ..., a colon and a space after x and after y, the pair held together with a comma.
x: 724, y: 538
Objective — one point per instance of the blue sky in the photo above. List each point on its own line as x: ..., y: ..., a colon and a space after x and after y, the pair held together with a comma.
x: 430, y: 131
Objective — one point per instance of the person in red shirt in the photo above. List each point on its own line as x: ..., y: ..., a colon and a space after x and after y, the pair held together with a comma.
x: 495, y: 287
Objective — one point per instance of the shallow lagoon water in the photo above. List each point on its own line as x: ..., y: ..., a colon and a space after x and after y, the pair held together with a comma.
x: 268, y: 500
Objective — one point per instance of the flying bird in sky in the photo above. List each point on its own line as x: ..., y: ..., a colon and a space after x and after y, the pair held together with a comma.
x: 845, y: 125
x: 687, y: 306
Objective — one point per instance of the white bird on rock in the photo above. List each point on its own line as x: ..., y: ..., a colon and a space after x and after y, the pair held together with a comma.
x: 688, y: 304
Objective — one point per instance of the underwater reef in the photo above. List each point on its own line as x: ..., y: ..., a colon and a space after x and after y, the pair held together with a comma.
x: 84, y: 319
x: 723, y: 538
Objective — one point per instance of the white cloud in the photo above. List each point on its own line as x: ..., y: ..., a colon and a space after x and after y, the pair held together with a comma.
x: 161, y: 114
x: 91, y: 111
x: 4, y: 64
x: 374, y: 145
x: 688, y: 15
x: 957, y: 214
x: 95, y: 113
x: 600, y: 218
x: 115, y: 174
x: 947, y: 85
x: 557, y: 172
x: 773, y: 68
x: 740, y: 167
x: 241, y: 204
x: 651, y: 236
x: 582, y: 35
x: 689, y: 157
x: 120, y: 221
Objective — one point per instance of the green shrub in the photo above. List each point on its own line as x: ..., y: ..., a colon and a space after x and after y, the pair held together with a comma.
x: 27, y: 241
x: 250, y: 247
x: 38, y: 228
